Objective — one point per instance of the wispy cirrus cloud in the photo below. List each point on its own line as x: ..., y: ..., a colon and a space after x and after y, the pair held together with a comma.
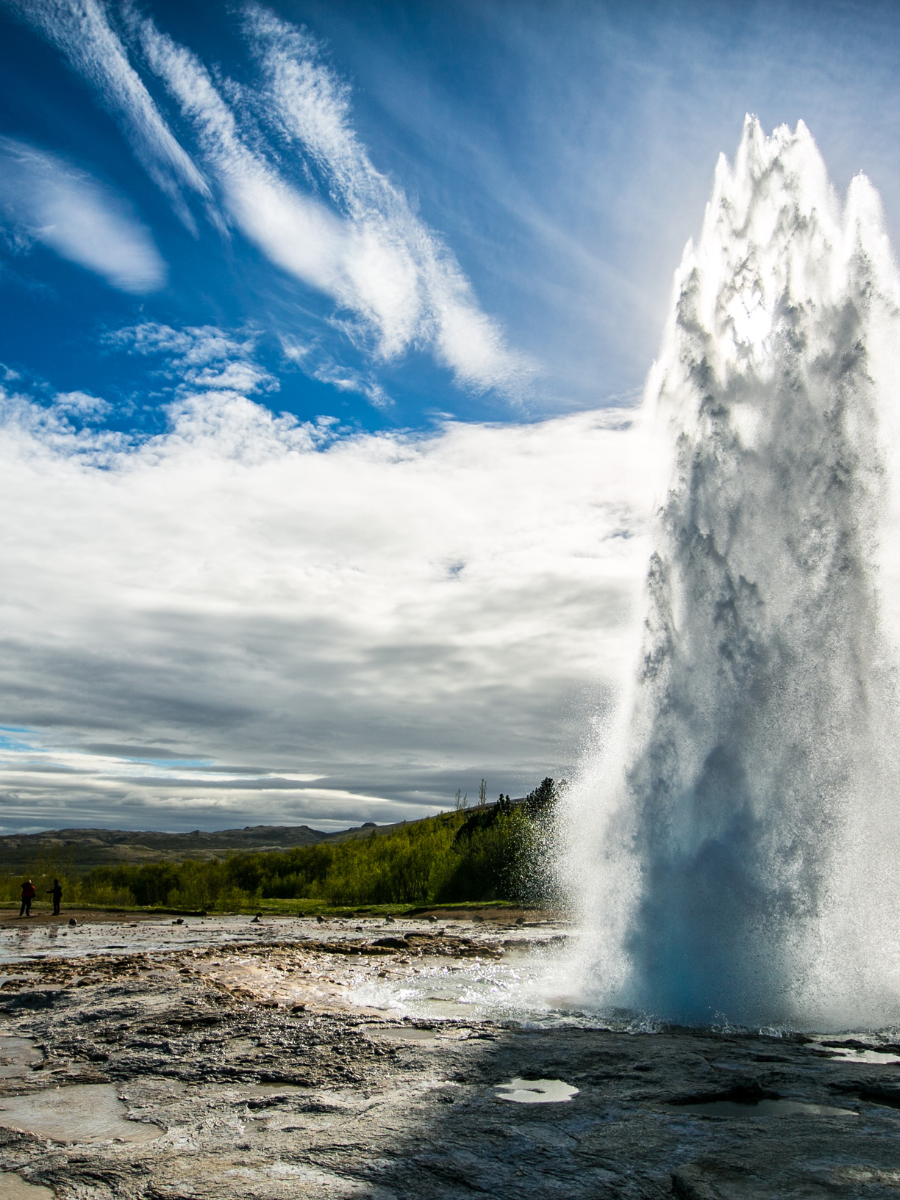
x: 397, y: 285
x: 82, y: 30
x: 347, y: 380
x: 367, y: 248
x: 293, y: 230
x: 47, y: 200
x: 405, y: 278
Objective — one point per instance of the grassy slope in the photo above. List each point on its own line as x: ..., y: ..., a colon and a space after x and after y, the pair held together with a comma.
x: 476, y: 856
x: 467, y: 857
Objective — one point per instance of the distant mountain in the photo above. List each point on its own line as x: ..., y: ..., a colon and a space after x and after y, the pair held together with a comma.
x: 82, y: 849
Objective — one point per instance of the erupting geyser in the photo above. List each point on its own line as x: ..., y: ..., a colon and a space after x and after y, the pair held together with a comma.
x: 737, y: 850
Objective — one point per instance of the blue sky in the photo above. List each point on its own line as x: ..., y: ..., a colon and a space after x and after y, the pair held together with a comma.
x: 556, y: 157
x: 244, y: 246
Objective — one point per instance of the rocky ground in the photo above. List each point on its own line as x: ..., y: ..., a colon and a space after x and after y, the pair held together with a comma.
x: 220, y: 1059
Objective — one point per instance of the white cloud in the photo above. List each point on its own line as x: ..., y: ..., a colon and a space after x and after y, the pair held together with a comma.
x: 396, y: 616
x: 365, y: 247
x: 346, y: 380
x: 406, y: 281
x: 294, y: 350
x: 374, y: 256
x: 198, y: 356
x: 81, y: 29
x: 295, y: 231
x: 82, y: 405
x: 44, y: 199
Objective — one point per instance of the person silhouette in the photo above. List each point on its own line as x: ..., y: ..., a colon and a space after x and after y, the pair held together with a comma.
x: 29, y: 891
x: 56, y: 893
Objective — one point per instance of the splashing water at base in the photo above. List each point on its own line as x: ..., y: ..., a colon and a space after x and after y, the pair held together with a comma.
x: 512, y: 988
x: 735, y: 847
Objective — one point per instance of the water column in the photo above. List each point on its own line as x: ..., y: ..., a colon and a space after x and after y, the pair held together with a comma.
x: 736, y: 844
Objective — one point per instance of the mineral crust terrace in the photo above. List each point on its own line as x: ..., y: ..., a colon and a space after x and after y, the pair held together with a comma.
x: 219, y: 1059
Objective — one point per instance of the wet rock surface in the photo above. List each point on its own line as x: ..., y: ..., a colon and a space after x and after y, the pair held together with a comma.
x: 195, y: 1072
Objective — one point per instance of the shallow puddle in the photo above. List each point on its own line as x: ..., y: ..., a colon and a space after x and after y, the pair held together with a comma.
x: 14, y: 1187
x: 85, y: 1112
x: 536, y: 1091
x: 764, y: 1108
x: 17, y: 1057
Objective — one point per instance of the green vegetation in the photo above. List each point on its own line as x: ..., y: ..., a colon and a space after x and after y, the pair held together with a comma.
x: 473, y: 855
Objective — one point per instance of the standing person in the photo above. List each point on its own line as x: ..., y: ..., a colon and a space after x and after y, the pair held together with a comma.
x: 29, y: 891
x: 56, y: 893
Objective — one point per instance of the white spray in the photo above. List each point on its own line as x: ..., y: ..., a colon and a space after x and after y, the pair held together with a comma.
x: 735, y: 851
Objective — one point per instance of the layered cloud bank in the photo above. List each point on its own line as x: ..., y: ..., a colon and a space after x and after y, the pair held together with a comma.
x: 251, y: 619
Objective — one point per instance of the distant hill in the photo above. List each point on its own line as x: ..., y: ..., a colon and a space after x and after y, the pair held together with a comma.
x: 83, y: 849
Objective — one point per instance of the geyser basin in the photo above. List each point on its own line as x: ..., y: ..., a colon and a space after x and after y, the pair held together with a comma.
x: 735, y: 850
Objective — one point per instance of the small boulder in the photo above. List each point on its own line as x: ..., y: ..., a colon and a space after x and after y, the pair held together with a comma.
x: 72, y: 921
